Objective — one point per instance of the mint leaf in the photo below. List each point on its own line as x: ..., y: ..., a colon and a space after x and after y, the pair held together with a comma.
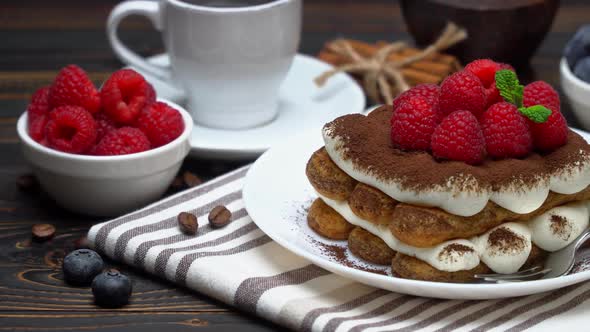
x: 536, y: 113
x: 518, y: 95
x: 509, y: 87
x: 506, y: 82
x: 512, y: 91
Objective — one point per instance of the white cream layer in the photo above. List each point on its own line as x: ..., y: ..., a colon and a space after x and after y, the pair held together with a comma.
x: 454, y: 197
x: 498, y: 259
x: 549, y: 235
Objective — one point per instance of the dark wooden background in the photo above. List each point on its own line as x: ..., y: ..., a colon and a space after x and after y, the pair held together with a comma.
x: 39, y: 37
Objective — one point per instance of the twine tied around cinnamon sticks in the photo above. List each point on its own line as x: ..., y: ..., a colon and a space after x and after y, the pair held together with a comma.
x: 378, y: 72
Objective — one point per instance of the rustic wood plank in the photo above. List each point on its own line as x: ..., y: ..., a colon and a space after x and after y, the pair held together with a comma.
x: 129, y: 321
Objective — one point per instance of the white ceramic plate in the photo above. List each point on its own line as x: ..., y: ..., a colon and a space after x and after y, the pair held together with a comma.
x: 302, y: 105
x: 277, y: 195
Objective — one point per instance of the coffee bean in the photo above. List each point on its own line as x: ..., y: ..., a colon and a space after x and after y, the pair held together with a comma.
x: 191, y: 179
x: 27, y: 182
x: 188, y: 223
x: 177, y: 183
x: 43, y: 232
x: 219, y: 217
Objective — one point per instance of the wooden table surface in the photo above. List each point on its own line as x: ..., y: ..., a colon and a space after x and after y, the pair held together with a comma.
x: 39, y: 37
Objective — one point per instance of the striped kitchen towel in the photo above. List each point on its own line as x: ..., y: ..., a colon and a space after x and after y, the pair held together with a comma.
x: 243, y: 267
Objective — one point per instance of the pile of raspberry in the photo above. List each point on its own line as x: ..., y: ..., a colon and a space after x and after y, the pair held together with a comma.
x: 466, y: 118
x: 123, y: 117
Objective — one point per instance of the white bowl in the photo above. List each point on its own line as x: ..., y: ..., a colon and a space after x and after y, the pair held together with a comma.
x: 106, y: 185
x: 577, y: 92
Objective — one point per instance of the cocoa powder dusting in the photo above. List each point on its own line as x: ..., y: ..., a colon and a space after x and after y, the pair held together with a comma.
x: 366, y: 142
x: 560, y: 226
x: 505, y: 240
x: 459, y: 249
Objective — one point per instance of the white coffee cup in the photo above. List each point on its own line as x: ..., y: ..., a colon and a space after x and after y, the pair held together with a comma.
x: 229, y: 60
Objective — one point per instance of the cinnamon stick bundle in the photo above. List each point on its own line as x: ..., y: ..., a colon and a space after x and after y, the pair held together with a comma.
x: 431, y: 69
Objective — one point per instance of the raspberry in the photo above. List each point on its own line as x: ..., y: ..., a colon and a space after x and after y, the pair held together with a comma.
x: 459, y: 137
x: 493, y: 95
x: 150, y: 94
x: 124, y: 140
x: 549, y: 135
x: 37, y: 114
x: 485, y: 70
x: 103, y: 125
x: 125, y: 94
x: 71, y: 129
x: 413, y: 123
x: 541, y: 93
x: 36, y: 126
x: 160, y: 123
x: 506, y: 132
x: 39, y: 102
x: 73, y: 87
x: 462, y: 91
x: 430, y: 92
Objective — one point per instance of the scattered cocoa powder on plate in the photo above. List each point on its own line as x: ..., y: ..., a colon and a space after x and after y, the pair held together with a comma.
x: 339, y: 255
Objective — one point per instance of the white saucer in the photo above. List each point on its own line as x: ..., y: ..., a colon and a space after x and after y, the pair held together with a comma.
x: 302, y: 105
x: 277, y: 195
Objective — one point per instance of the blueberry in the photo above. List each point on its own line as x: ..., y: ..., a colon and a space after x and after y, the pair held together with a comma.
x: 578, y: 47
x: 582, y: 69
x: 81, y: 266
x: 111, y: 289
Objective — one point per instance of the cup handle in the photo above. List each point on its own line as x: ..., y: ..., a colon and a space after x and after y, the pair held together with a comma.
x: 150, y: 9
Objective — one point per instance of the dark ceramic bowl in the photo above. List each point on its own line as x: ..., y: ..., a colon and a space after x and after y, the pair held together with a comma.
x: 504, y: 30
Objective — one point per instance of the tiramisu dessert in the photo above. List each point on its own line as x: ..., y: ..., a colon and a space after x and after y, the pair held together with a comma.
x: 477, y: 175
